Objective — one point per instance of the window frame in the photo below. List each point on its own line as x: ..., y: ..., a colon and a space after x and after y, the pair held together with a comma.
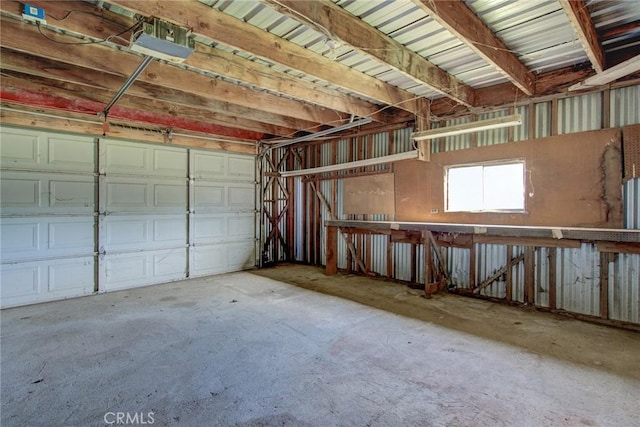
x: 491, y: 163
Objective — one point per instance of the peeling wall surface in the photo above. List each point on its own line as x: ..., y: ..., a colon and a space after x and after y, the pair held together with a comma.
x: 571, y: 180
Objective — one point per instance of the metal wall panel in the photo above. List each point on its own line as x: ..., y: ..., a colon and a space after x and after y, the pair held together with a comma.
x: 631, y: 199
x: 543, y: 119
x: 578, y: 279
x: 490, y: 259
x: 624, y: 288
x: 580, y: 113
x: 493, y: 136
x: 625, y: 106
x: 47, y: 224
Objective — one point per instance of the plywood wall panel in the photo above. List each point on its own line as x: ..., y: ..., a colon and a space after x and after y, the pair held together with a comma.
x: 572, y: 180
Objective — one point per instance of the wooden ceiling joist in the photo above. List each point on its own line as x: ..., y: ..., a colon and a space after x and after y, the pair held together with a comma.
x: 204, y: 58
x: 26, y: 38
x: 220, y: 27
x: 355, y: 32
x: 91, y: 79
x: 460, y: 20
x: 25, y: 97
x: 580, y: 18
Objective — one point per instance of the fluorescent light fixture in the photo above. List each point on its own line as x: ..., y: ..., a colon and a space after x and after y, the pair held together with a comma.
x: 283, y: 143
x: 498, y: 122
x: 408, y: 155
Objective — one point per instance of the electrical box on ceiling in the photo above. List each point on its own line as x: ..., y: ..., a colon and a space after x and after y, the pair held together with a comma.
x: 163, y: 40
x: 33, y: 13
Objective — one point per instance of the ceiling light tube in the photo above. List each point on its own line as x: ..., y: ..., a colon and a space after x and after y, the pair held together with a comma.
x: 408, y: 155
x: 278, y: 144
x: 496, y: 123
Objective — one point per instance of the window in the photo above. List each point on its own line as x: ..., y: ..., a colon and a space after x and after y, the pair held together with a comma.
x: 485, y: 187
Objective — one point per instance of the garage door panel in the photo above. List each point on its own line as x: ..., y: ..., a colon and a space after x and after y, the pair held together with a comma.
x: 222, y: 258
x: 209, y: 228
x: 46, y: 237
x: 138, y: 232
x: 209, y: 196
x: 128, y: 158
x: 229, y: 197
x: 35, y: 150
x: 208, y: 165
x: 139, y: 195
x: 40, y: 193
x: 242, y: 167
x: 130, y: 270
x: 241, y: 196
x: 40, y: 281
x: 241, y: 226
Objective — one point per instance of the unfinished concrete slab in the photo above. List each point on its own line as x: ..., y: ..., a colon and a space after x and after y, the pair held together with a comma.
x: 243, y: 349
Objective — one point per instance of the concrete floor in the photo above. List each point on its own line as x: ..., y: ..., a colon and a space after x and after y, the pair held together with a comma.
x: 246, y: 350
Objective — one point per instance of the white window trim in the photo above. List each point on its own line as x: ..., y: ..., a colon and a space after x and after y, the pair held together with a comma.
x: 484, y: 164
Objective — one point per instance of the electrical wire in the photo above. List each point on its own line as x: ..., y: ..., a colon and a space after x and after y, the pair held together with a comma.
x: 107, y: 39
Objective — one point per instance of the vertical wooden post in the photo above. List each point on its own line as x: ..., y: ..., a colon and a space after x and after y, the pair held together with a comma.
x: 554, y: 116
x: 427, y: 259
x: 413, y: 263
x: 606, y: 109
x: 318, y: 221
x: 472, y: 267
x: 509, y: 284
x: 474, y: 135
x: 389, y: 257
x: 349, y: 256
x: 532, y: 121
x: 332, y: 250
x: 511, y: 129
x: 552, y: 278
x: 529, y: 274
x: 605, y: 259
x: 291, y: 209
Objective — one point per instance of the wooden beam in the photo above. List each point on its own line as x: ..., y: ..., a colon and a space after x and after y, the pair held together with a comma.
x: 527, y: 241
x: 357, y: 33
x: 509, y: 275
x: 91, y: 108
x: 498, y: 273
x: 580, y: 18
x: 529, y: 275
x: 332, y: 251
x: 83, y: 18
x: 78, y: 123
x: 44, y: 67
x: 25, y: 38
x: 619, y: 247
x: 220, y: 27
x: 72, y: 91
x: 553, y: 261
x: 461, y: 21
x: 605, y: 259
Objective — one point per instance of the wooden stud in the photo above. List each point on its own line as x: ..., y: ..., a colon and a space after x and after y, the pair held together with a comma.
x: 554, y: 117
x: 605, y: 259
x: 428, y: 262
x: 332, y: 250
x: 389, y: 257
x: 606, y: 108
x: 511, y: 129
x: 349, y: 239
x: 529, y: 274
x: 472, y: 267
x: 413, y: 263
x: 552, y: 277
x: 509, y: 274
x: 532, y: 121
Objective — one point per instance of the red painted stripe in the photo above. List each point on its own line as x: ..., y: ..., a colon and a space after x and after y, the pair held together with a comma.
x: 35, y: 99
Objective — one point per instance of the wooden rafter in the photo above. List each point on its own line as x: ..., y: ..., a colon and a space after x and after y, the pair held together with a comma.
x: 204, y: 58
x: 25, y: 38
x: 580, y: 18
x: 361, y: 36
x: 460, y: 20
x: 220, y: 27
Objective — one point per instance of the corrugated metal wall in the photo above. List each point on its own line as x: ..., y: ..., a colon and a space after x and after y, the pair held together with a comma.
x: 577, y: 270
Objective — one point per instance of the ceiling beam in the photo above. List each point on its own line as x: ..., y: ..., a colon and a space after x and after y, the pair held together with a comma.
x: 220, y: 27
x: 48, y: 68
x: 461, y: 21
x: 19, y: 115
x: 365, y: 38
x: 86, y: 19
x: 15, y: 80
x: 91, y: 108
x: 26, y: 38
x: 578, y: 14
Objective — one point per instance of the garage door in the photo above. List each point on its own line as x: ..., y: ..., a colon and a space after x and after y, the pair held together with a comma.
x: 81, y: 215
x: 47, y: 228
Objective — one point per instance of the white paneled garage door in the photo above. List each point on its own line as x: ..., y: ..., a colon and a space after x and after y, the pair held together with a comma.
x: 47, y: 228
x: 81, y: 215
